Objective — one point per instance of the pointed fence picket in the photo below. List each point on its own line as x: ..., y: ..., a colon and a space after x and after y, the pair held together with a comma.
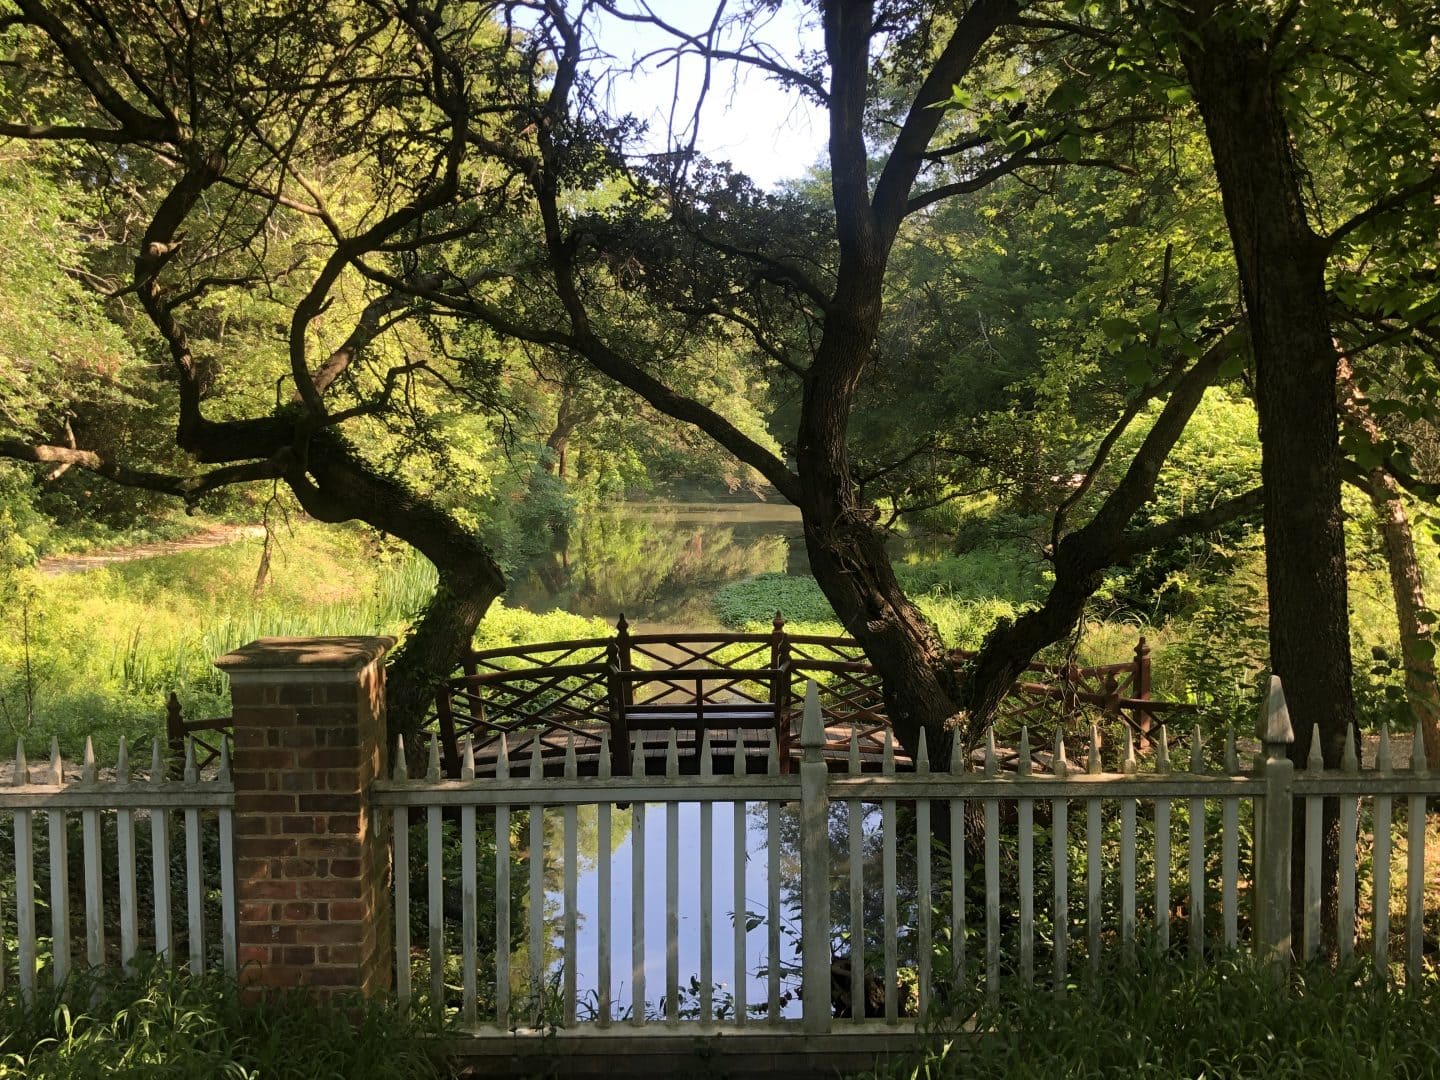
x: 119, y: 857
x: 1162, y: 856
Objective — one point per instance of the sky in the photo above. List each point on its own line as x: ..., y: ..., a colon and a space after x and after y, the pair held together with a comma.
x: 760, y: 127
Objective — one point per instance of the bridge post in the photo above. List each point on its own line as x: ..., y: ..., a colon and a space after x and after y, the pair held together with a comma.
x: 815, y: 956
x: 1140, y: 686
x: 622, y: 660
x: 780, y: 687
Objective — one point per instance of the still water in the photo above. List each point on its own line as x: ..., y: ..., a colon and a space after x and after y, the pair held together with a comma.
x: 723, y: 870
x: 659, y: 562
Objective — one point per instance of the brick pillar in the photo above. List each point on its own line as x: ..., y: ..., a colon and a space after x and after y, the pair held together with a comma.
x: 312, y: 861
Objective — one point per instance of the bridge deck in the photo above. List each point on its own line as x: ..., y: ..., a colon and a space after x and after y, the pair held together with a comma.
x: 753, y: 749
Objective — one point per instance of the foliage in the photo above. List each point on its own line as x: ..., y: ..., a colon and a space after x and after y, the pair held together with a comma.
x: 1224, y: 1020
x: 161, y: 1022
x: 108, y: 645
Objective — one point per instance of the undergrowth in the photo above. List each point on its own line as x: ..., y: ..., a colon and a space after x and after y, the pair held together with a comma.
x: 1228, y: 1020
x: 159, y: 1022
x: 107, y: 646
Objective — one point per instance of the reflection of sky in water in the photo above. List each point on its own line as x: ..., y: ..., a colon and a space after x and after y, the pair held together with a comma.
x: 722, y: 909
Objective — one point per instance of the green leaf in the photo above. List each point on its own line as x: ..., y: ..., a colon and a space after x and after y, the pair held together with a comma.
x: 1117, y: 329
x: 1070, y: 147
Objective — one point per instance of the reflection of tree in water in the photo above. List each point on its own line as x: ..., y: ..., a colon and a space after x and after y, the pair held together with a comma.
x: 873, y: 892
x: 528, y: 1004
x: 651, y: 563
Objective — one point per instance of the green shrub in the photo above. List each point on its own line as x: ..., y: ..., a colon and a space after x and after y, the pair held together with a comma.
x: 1214, y: 1022
x: 160, y: 1022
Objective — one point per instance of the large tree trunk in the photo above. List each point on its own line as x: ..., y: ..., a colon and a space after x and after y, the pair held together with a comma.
x: 1281, y: 264
x: 336, y: 484
x: 1408, y: 589
x: 342, y: 487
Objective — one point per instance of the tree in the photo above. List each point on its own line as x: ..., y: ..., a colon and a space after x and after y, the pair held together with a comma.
x: 809, y: 287
x: 1246, y: 66
x: 295, y: 155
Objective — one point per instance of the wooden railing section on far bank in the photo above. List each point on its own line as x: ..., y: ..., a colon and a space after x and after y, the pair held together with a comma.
x: 743, y: 689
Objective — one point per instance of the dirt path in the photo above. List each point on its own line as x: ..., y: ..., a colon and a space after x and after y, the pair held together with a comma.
x: 213, y: 536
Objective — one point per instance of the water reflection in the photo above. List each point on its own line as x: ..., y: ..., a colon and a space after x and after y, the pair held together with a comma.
x: 661, y: 560
x: 656, y: 944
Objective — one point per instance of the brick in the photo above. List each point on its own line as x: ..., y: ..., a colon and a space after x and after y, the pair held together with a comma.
x: 264, y: 803
x: 297, y: 955
x: 326, y: 803
x: 268, y: 890
x: 326, y: 933
x: 268, y: 758
x: 345, y: 693
x: 297, y: 911
x: 259, y: 847
x: 337, y: 954
x: 250, y: 869
x: 326, y: 888
x: 327, y: 757
x: 345, y: 868
x: 297, y: 824
x: 348, y: 910
x: 248, y: 737
x: 328, y: 976
x: 299, y: 738
x: 298, y: 781
x: 254, y: 912
x: 297, y: 693
x: 329, y: 847
x: 348, y: 781
x: 299, y: 868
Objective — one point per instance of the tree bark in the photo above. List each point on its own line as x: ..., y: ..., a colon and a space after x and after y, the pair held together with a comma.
x: 1406, y: 583
x: 1281, y: 264
x: 340, y: 486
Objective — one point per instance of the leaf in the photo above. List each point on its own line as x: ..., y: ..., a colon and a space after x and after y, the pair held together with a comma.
x: 1138, y: 373
x: 1070, y: 148
x: 1117, y: 329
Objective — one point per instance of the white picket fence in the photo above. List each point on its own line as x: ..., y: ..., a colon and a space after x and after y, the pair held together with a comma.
x: 1145, y: 861
x: 115, y: 812
x: 771, y: 877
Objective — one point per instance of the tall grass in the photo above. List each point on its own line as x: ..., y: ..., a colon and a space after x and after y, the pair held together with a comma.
x: 159, y: 1022
x: 109, y: 645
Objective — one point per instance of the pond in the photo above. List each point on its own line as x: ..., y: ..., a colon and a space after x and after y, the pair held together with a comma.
x: 660, y: 561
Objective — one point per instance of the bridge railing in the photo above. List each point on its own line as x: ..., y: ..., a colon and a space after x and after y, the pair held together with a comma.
x: 571, y: 687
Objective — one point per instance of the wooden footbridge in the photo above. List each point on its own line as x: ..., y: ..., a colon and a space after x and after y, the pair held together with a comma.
x: 635, y: 692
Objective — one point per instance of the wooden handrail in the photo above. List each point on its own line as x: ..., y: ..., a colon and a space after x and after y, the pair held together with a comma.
x: 687, y: 674
x: 546, y: 646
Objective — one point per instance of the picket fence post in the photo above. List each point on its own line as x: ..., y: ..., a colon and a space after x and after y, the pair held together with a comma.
x: 814, y: 867
x: 1274, y: 837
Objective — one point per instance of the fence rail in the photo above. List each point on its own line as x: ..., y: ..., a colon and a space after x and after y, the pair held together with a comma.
x: 579, y: 686
x: 120, y: 816
x: 858, y: 916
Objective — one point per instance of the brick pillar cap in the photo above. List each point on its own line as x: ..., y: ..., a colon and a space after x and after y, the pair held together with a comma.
x: 321, y: 656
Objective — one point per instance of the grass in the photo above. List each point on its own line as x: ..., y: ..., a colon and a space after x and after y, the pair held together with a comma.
x: 108, y: 645
x: 1228, y: 1020
x: 160, y: 1022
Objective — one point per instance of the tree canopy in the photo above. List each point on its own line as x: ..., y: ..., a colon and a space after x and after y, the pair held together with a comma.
x: 315, y: 241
